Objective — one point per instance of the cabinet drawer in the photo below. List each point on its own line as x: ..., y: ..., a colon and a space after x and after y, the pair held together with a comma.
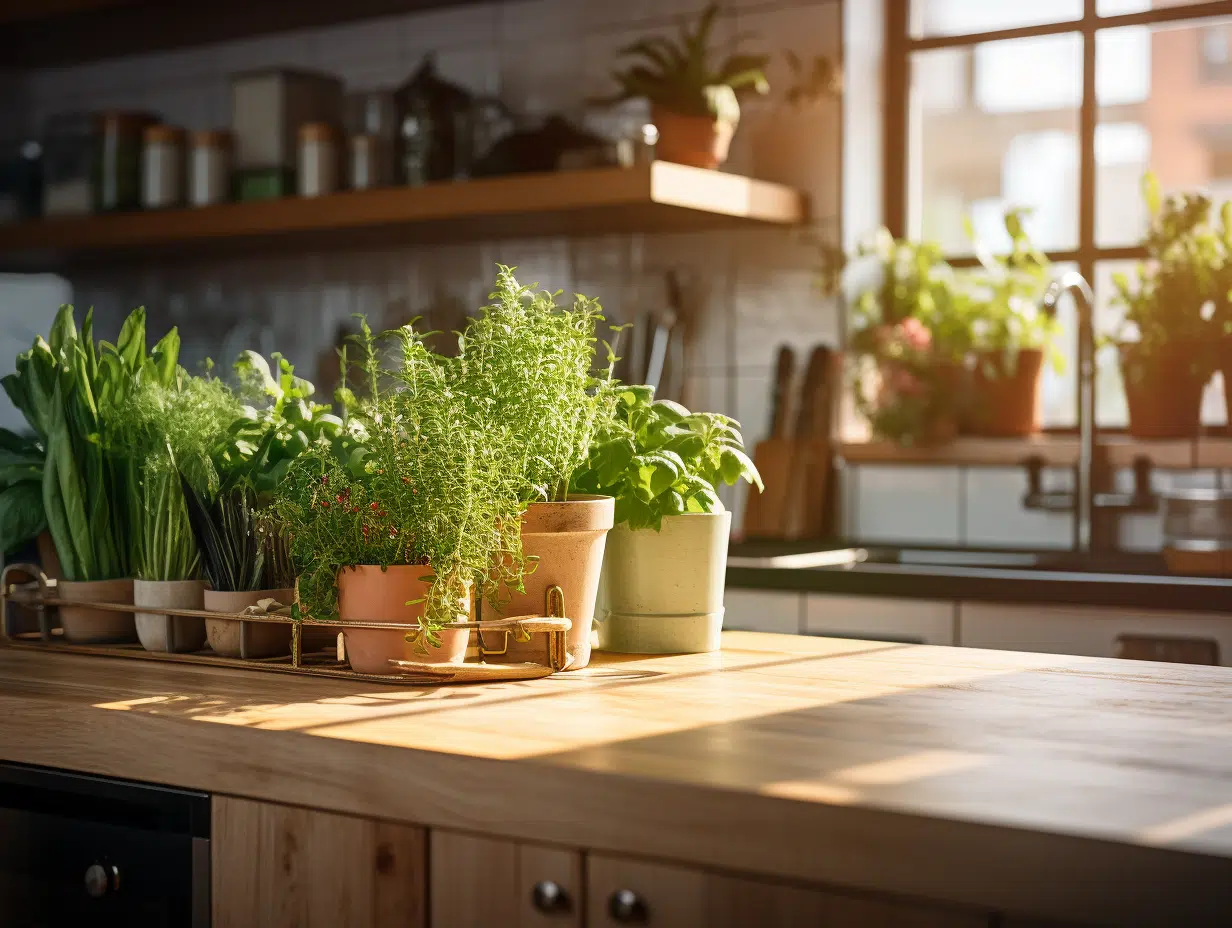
x: 623, y: 891
x: 1088, y: 631
x: 493, y: 881
x: 914, y: 621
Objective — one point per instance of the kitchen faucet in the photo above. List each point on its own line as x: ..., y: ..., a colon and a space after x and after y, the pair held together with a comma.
x: 1084, y: 501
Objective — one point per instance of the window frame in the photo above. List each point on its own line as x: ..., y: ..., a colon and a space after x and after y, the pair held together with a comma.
x: 900, y: 47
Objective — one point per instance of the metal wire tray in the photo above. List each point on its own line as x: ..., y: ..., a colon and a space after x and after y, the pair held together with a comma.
x: 26, y: 586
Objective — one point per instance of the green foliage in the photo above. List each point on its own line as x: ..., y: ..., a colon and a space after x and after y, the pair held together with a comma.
x: 1180, y: 295
x: 1007, y: 295
x: 681, y: 76
x: 59, y: 385
x: 526, y: 369
x: 21, y: 491
x: 166, y: 430
x: 813, y: 82
x: 658, y: 459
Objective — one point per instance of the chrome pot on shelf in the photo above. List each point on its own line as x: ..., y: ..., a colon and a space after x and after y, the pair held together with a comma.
x: 1197, y: 530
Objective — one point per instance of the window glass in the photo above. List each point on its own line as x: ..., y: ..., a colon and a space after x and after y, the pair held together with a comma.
x: 982, y: 140
x: 1119, y: 7
x: 962, y: 17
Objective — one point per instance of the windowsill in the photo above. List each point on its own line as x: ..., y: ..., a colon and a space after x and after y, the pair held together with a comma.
x: 1054, y: 450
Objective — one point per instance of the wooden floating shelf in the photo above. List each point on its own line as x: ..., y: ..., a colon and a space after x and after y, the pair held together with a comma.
x: 655, y: 197
x: 1056, y: 451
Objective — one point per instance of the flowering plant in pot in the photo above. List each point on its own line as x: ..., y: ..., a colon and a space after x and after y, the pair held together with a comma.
x: 911, y: 330
x: 694, y: 102
x: 405, y: 526
x: 1174, y: 304
x: 1011, y: 334
x: 666, y: 557
x: 164, y: 428
x: 58, y: 386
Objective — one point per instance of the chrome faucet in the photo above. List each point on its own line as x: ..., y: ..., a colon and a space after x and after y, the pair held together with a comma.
x: 1084, y: 493
x: 1084, y: 502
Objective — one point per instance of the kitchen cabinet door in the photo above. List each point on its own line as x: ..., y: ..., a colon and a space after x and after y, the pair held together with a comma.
x: 623, y: 891
x: 478, y: 880
x: 762, y: 611
x: 879, y: 618
x: 286, y: 867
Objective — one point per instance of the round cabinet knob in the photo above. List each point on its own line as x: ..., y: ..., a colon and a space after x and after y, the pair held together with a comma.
x: 101, y: 879
x: 550, y: 897
x: 627, y: 907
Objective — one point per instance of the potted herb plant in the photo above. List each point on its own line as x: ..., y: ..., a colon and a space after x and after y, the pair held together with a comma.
x: 694, y: 102
x: 911, y: 331
x: 245, y: 554
x: 1011, y: 335
x: 1167, y: 343
x: 404, y: 526
x: 165, y: 429
x: 666, y: 559
x: 58, y: 386
x: 527, y: 370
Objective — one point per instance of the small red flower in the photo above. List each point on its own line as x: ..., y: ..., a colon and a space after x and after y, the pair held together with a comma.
x: 382, y: 513
x: 374, y: 506
x: 339, y: 498
x: 393, y: 532
x: 324, y: 504
x: 324, y: 479
x: 354, y: 509
x: 406, y: 479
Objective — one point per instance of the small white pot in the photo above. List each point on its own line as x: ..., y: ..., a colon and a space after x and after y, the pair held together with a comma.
x: 153, y: 628
x: 662, y: 592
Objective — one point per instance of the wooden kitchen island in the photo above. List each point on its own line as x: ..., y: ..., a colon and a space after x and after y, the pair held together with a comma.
x: 782, y: 781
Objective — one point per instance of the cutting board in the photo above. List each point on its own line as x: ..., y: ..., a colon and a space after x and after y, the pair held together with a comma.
x: 765, y: 513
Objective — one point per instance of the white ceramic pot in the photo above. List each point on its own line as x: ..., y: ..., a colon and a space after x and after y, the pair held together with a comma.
x: 662, y: 592
x: 153, y: 628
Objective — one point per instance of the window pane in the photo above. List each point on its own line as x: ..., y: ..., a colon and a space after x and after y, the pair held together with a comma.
x: 1165, y: 104
x: 1059, y: 388
x: 1117, y: 7
x: 962, y: 17
x: 983, y: 139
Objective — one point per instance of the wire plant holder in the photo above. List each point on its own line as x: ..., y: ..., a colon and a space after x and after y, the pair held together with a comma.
x: 26, y: 586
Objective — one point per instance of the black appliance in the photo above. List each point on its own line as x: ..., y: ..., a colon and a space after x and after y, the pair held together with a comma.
x: 87, y: 850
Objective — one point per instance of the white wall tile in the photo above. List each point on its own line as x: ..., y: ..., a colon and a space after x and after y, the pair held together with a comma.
x: 917, y: 504
x: 995, y: 514
x: 881, y: 619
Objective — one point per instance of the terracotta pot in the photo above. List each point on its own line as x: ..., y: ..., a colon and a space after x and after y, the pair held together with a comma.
x: 83, y: 625
x: 153, y: 628
x: 700, y: 141
x: 568, y: 538
x: 367, y: 593
x: 1225, y: 368
x: 941, y: 427
x: 662, y: 591
x: 1163, y: 392
x: 265, y: 639
x: 1004, y: 399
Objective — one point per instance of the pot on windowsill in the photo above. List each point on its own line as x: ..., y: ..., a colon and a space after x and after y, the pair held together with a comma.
x: 158, y: 631
x: 1163, y: 390
x: 662, y: 591
x: 369, y: 593
x: 1004, y: 400
x: 699, y: 141
x: 265, y: 639
x: 86, y: 625
x: 914, y: 409
x: 568, y: 539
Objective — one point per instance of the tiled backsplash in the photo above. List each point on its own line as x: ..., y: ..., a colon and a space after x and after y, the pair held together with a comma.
x: 757, y: 288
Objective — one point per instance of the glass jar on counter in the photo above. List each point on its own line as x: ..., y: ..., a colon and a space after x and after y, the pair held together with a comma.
x: 209, y: 169
x: 117, y: 160
x: 162, y: 167
x: 318, y: 159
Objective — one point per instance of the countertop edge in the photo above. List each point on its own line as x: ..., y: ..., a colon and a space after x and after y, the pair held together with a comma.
x: 986, y: 866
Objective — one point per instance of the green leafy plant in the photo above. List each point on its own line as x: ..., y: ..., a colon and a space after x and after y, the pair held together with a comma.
x: 59, y: 386
x: 1006, y: 298
x: 1181, y: 296
x: 166, y: 428
x: 526, y: 369
x: 658, y: 459
x: 680, y: 76
x: 818, y: 79
x: 22, y: 517
x: 240, y: 551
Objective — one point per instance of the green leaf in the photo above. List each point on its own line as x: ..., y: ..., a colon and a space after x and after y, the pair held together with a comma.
x: 21, y: 515
x: 130, y: 346
x: 166, y: 357
x: 735, y: 464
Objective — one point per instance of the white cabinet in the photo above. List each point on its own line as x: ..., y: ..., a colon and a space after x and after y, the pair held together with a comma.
x: 1085, y: 630
x: 763, y: 611
x: 916, y: 621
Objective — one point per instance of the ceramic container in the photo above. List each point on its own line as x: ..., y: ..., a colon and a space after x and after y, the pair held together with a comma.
x: 83, y: 625
x: 265, y: 639
x: 187, y: 633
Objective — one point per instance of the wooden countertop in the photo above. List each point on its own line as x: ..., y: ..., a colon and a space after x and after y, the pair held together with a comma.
x: 1077, y: 788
